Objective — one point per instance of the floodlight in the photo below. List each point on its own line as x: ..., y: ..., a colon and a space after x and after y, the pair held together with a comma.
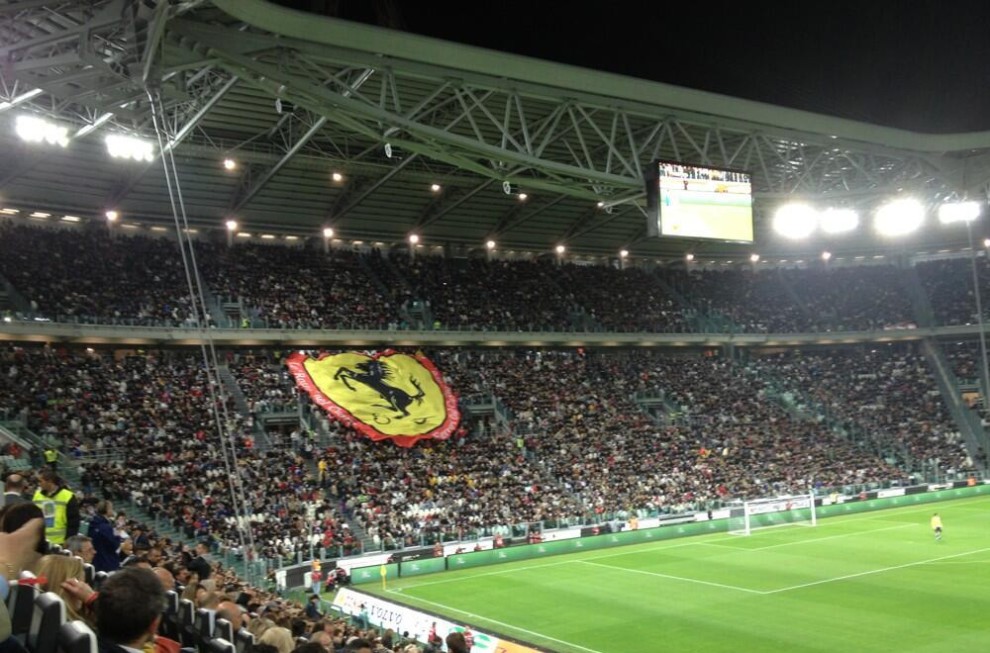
x: 231, y: 225
x: 229, y: 164
x: 795, y: 221
x: 38, y: 130
x: 413, y: 238
x: 899, y: 217
x: 328, y: 232
x: 112, y: 215
x: 986, y: 242
x: 950, y: 212
x: 337, y: 177
x: 435, y: 188
x: 601, y: 205
x: 623, y: 253
x: 24, y: 97
x: 561, y: 249
x: 523, y: 197
x: 120, y: 146
x: 837, y: 221
x: 754, y: 258
x: 490, y: 244
x: 93, y: 126
x: 689, y: 257
x: 826, y: 256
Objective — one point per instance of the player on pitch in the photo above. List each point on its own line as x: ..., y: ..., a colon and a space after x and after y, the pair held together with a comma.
x: 937, y: 526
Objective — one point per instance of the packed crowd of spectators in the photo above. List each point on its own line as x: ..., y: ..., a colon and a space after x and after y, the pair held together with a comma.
x: 885, y: 395
x: 265, y: 381
x: 90, y: 275
x: 575, y: 445
x: 490, y: 295
x: 299, y: 288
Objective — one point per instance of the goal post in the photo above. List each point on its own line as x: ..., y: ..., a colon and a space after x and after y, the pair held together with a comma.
x: 795, y: 510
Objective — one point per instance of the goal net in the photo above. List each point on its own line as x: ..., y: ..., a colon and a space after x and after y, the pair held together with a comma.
x: 797, y: 510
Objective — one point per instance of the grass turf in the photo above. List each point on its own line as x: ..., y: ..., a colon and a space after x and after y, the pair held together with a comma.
x: 869, y: 582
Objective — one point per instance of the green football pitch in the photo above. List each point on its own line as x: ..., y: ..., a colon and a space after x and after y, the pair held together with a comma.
x: 873, y: 581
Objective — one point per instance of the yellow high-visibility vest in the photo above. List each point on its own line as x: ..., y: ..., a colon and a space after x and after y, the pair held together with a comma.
x: 55, y: 512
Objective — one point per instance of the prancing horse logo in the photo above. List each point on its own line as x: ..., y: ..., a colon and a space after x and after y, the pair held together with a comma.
x: 375, y: 374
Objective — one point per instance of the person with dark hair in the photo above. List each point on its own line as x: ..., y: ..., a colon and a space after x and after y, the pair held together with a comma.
x: 105, y: 540
x: 358, y: 645
x: 60, y: 506
x: 200, y: 565
x: 456, y: 643
x: 310, y: 647
x: 129, y: 607
x: 15, y: 516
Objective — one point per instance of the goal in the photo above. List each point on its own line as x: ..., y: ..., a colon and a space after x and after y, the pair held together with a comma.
x: 797, y: 510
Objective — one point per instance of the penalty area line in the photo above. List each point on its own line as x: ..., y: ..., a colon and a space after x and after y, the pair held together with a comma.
x: 670, y: 577
x: 500, y: 624
x: 875, y: 571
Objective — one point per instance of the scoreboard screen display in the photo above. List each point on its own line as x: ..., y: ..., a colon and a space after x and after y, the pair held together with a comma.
x: 692, y: 201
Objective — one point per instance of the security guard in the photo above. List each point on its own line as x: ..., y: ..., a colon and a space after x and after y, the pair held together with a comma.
x: 59, y: 506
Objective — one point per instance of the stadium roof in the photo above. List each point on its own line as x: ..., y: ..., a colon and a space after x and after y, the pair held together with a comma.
x: 294, y: 97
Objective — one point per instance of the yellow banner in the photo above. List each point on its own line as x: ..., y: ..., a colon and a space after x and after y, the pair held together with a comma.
x: 385, y: 395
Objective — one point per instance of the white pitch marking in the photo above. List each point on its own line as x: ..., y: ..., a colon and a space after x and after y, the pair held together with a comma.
x: 502, y: 624
x: 874, y: 571
x: 681, y: 578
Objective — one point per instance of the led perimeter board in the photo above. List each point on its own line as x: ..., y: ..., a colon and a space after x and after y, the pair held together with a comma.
x: 690, y: 201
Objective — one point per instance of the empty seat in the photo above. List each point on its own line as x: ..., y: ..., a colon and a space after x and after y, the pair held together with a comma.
x: 20, y: 604
x: 204, y: 624
x: 187, y: 626
x: 170, y: 620
x: 90, y: 573
x: 76, y: 637
x: 220, y: 645
x: 223, y: 629
x: 47, y: 619
x: 243, y: 640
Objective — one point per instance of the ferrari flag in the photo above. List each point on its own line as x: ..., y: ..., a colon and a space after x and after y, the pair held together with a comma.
x: 386, y: 395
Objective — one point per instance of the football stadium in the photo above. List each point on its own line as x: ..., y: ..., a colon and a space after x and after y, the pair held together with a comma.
x: 319, y: 335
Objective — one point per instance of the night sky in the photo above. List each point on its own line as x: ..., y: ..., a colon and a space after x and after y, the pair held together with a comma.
x: 915, y: 64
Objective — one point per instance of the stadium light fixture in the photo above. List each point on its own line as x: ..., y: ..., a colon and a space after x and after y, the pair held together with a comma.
x: 623, y: 253
x: 337, y: 177
x: 795, y: 221
x: 93, y: 126
x: 899, y: 217
x: 32, y: 129
x: 523, y: 197
x: 601, y: 204
x: 414, y: 239
x: 23, y: 97
x: 838, y: 221
x: 953, y: 212
x: 328, y: 232
x: 826, y: 256
x: 490, y: 245
x: 120, y: 146
x: 560, y: 249
x: 986, y: 242
x: 229, y: 164
x: 689, y: 257
x: 112, y: 216
x: 754, y: 258
x: 435, y: 188
x: 231, y: 225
